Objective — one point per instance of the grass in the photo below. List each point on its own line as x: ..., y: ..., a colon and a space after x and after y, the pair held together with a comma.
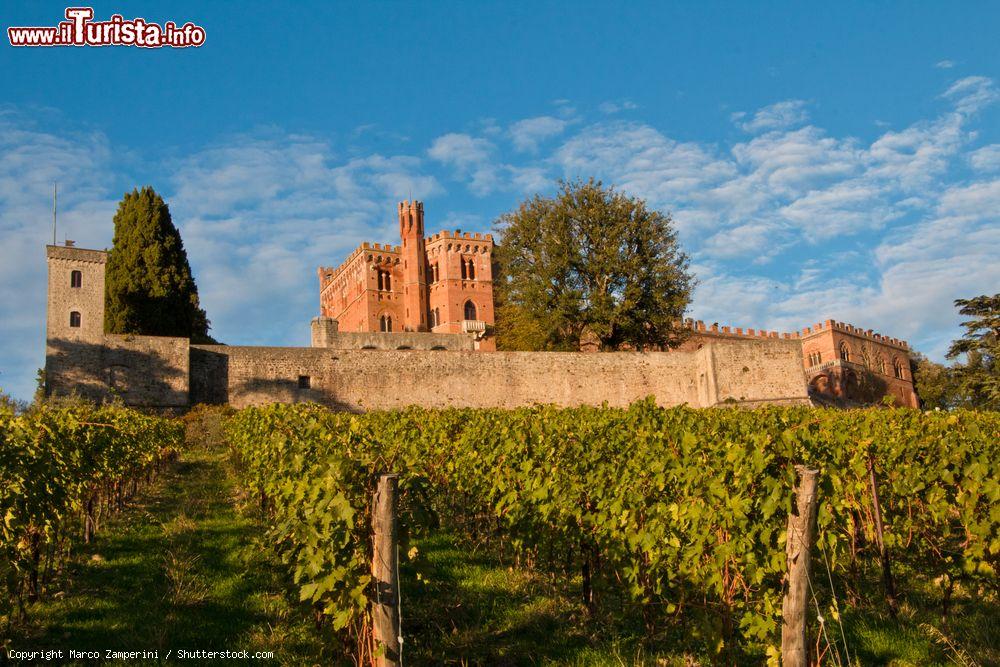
x: 182, y: 568
x: 177, y: 570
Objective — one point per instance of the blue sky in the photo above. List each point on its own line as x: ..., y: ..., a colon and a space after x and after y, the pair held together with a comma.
x: 820, y: 162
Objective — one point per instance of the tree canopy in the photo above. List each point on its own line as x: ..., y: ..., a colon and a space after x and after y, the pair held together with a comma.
x: 979, y: 376
x: 589, y: 262
x: 149, y: 288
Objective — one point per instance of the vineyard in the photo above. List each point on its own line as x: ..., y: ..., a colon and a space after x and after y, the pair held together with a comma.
x: 679, y: 513
x: 63, y: 471
x: 525, y: 535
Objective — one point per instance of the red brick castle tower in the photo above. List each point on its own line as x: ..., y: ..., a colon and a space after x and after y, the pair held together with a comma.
x: 414, y: 255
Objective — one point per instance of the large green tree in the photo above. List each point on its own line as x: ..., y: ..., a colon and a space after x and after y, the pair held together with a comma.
x: 589, y: 263
x: 149, y: 288
x: 979, y: 375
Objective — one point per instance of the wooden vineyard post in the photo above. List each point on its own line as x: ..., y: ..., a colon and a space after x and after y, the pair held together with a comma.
x: 385, y: 585
x: 887, y: 582
x: 801, y: 528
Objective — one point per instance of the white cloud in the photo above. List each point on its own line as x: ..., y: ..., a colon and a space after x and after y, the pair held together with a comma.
x: 986, y: 159
x: 470, y: 157
x: 610, y: 108
x: 460, y: 150
x: 526, y: 134
x: 778, y: 116
x: 972, y: 94
x: 944, y: 64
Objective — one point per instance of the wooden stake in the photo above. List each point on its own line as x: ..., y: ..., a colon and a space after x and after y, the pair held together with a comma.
x: 801, y: 528
x: 887, y: 581
x: 385, y: 585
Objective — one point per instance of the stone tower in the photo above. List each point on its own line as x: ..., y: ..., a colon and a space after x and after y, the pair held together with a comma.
x: 75, y: 308
x: 414, y: 256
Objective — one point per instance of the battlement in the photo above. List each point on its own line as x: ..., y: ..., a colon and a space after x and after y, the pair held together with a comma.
x: 459, y: 234
x: 698, y: 326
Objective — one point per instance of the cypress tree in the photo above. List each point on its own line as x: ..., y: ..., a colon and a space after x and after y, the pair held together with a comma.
x: 149, y: 289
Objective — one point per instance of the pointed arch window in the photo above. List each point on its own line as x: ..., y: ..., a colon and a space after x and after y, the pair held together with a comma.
x: 385, y: 323
x: 472, y: 270
x: 897, y: 368
x: 465, y: 269
x: 470, y: 310
x: 845, y: 352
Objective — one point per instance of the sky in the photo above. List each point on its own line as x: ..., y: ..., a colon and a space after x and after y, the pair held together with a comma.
x: 819, y: 162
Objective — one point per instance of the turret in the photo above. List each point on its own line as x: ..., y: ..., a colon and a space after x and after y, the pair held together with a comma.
x: 411, y: 230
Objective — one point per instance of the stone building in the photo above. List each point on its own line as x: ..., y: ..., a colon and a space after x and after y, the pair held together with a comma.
x: 442, y: 284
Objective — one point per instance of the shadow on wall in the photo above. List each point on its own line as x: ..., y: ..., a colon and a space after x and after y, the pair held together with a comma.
x: 211, y: 383
x: 141, y: 371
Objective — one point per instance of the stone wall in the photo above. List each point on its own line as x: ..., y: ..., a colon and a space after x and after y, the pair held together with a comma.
x: 373, y: 379
x: 147, y: 371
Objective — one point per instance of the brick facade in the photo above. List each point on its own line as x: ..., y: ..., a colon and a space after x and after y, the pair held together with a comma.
x: 441, y: 284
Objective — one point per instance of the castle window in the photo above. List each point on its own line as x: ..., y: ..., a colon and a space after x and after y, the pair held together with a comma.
x: 897, y: 368
x: 76, y: 279
x: 470, y: 310
x: 305, y: 382
x: 385, y: 323
x: 472, y: 270
x: 384, y: 281
x: 465, y: 269
x: 815, y: 358
x: 74, y: 319
x: 845, y: 352
x: 881, y: 365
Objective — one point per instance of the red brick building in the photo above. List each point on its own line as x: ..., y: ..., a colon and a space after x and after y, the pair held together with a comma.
x: 440, y: 284
x: 840, y: 359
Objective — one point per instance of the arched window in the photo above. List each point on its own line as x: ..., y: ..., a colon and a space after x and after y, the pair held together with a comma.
x: 465, y: 269
x: 76, y: 279
x: 881, y: 364
x: 74, y: 319
x: 845, y: 352
x: 437, y: 316
x: 385, y: 323
x: 472, y: 270
x: 897, y: 368
x: 388, y: 281
x: 470, y: 310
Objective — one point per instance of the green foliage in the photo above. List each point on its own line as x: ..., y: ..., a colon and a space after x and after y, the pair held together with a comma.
x: 935, y: 383
x: 59, y: 465
x: 589, y: 262
x: 149, y: 289
x: 683, y: 509
x: 979, y: 376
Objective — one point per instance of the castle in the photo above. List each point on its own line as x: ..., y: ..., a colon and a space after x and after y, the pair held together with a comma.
x: 441, y: 284
x: 412, y: 325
